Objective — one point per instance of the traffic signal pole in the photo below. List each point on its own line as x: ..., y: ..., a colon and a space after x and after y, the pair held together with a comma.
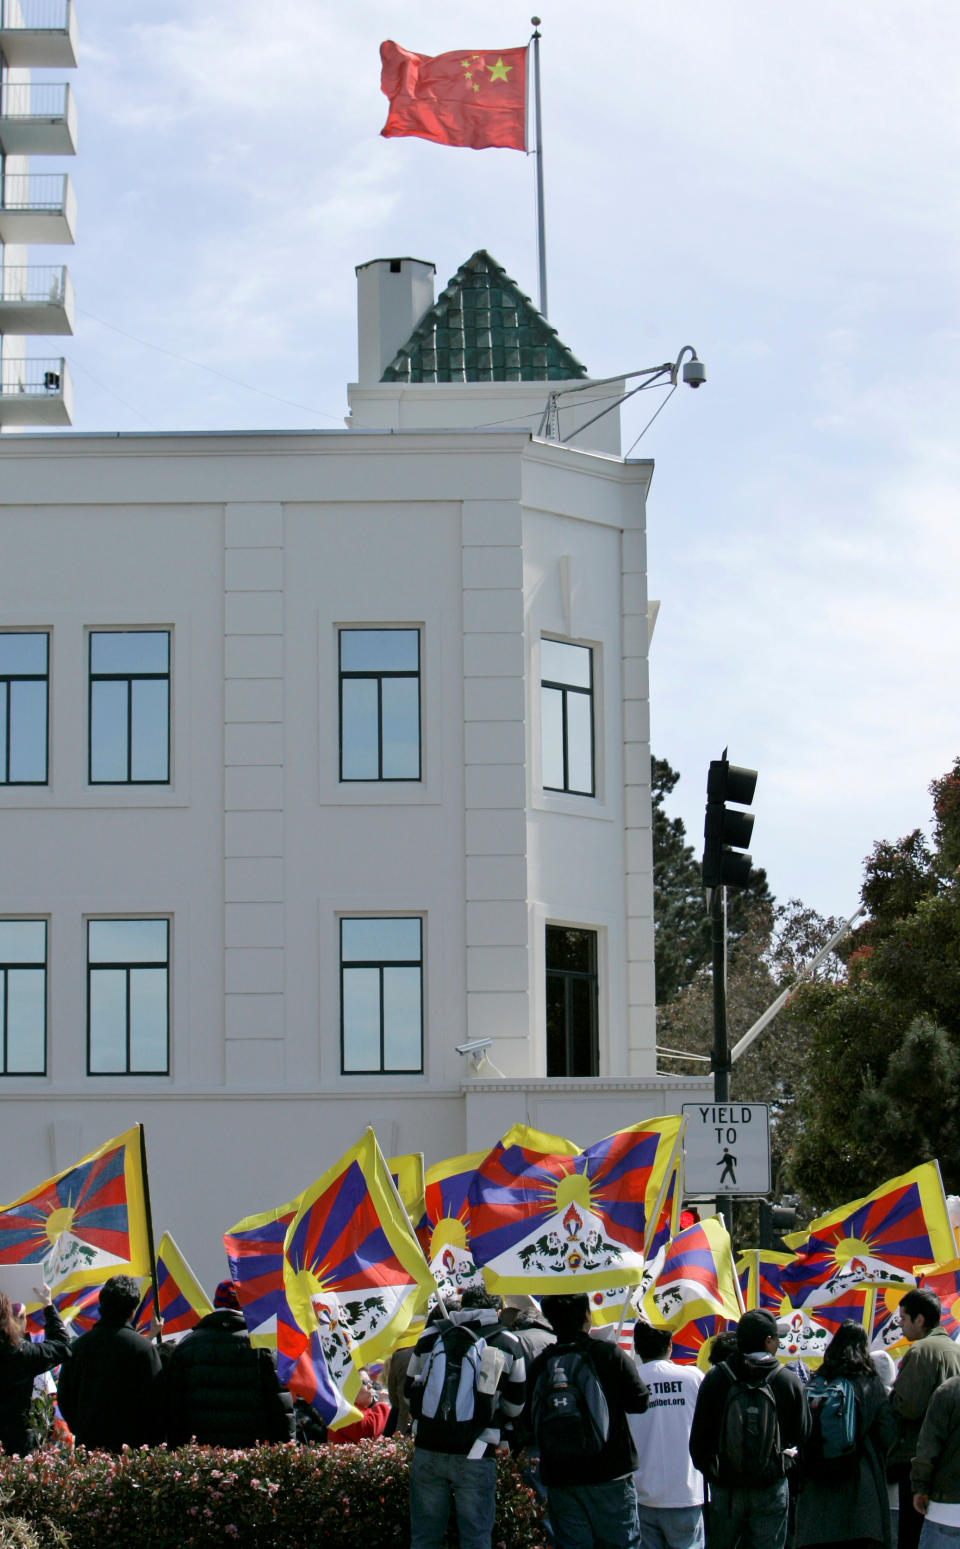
x: 720, y: 1054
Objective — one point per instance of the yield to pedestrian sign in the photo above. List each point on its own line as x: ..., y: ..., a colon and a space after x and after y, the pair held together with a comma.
x: 726, y: 1148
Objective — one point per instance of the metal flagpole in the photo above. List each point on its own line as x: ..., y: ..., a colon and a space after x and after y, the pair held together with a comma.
x: 541, y: 222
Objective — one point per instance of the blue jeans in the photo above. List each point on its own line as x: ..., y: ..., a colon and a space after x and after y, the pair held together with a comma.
x: 671, y: 1527
x: 937, y: 1535
x: 749, y: 1519
x: 438, y: 1477
x: 595, y: 1516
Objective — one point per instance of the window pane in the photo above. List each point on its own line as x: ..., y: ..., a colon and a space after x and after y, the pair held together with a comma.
x: 551, y: 732
x: 579, y: 744
x: 361, y: 1019
x: 3, y: 732
x: 556, y: 1026
x: 23, y: 941
x: 130, y: 650
x: 358, y: 731
x: 582, y: 992
x: 380, y: 941
x: 25, y: 1021
x: 401, y: 1019
x: 149, y: 757
x: 572, y: 950
x: 23, y: 653
x: 127, y: 941
x: 148, y: 1019
x: 108, y: 732
x: 561, y: 663
x: 379, y: 650
x: 108, y: 1020
x: 401, y: 728
x: 28, y: 732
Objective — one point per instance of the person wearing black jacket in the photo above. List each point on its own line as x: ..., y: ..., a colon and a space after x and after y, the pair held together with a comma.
x: 21, y: 1360
x: 220, y: 1390
x: 592, y: 1499
x: 109, y: 1390
x: 753, y: 1513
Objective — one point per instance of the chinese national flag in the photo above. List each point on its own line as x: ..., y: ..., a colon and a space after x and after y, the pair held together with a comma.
x: 466, y: 98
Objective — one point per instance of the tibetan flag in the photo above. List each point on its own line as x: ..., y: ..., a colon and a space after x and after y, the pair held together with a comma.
x: 667, y: 1221
x: 79, y: 1308
x: 183, y: 1301
x: 354, y: 1272
x: 407, y: 1173
x: 811, y: 1328
x: 87, y: 1223
x: 759, y: 1272
x: 882, y: 1239
x: 444, y: 1228
x: 944, y: 1281
x: 696, y: 1277
x: 692, y: 1341
x: 254, y: 1250
x: 886, y: 1330
x: 463, y: 98
x: 547, y: 1217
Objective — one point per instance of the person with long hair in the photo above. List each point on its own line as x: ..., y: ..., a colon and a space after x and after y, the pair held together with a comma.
x: 21, y: 1360
x: 848, y: 1503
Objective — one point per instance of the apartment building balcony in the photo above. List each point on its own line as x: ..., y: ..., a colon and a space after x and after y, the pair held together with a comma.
x: 41, y: 33
x: 38, y: 207
x: 37, y: 118
x: 35, y: 392
x: 36, y: 299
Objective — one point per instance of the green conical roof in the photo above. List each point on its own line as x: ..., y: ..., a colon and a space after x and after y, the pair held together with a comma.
x: 482, y: 328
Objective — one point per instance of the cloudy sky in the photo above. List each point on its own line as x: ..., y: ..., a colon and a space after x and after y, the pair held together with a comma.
x: 775, y: 185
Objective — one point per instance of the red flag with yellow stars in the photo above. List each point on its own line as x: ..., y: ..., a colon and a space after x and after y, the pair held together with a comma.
x: 464, y: 98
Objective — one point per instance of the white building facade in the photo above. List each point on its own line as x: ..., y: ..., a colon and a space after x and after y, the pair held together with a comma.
x: 321, y: 755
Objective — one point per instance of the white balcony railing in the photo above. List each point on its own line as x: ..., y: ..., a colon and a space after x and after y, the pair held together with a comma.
x: 45, y: 192
x: 35, y: 15
x: 43, y: 377
x: 34, y: 99
x: 35, y: 284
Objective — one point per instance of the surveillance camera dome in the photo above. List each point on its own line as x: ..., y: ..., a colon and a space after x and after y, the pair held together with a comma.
x: 694, y: 373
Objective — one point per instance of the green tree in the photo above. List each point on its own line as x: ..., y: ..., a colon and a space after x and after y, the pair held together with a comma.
x: 880, y: 1091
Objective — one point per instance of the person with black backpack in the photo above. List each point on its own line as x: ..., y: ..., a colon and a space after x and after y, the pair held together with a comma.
x: 750, y: 1419
x: 465, y: 1377
x: 579, y: 1393
x: 843, y: 1476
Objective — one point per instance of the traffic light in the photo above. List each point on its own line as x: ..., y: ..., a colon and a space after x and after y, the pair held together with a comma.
x: 726, y: 834
x: 774, y: 1220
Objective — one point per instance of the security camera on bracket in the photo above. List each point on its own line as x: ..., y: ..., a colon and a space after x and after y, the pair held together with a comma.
x: 475, y: 1050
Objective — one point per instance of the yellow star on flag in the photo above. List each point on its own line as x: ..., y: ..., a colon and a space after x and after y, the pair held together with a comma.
x: 498, y: 72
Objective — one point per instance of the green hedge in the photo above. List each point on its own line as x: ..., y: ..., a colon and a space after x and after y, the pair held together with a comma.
x: 275, y: 1497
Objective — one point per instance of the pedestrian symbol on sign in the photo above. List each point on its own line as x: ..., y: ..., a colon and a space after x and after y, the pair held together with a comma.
x: 729, y: 1165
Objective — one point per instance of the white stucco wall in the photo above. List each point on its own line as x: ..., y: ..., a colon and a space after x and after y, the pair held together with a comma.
x: 253, y: 550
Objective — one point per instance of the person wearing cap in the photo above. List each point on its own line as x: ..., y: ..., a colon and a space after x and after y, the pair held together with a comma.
x: 109, y: 1391
x: 220, y: 1390
x: 749, y: 1511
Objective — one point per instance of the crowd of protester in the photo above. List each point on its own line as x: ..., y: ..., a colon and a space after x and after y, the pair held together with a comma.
x: 753, y: 1454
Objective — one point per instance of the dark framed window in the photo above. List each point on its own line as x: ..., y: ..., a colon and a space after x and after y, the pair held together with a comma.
x: 573, y: 1047
x: 128, y: 997
x: 381, y: 996
x: 379, y: 704
x: 129, y: 707
x: 23, y: 997
x: 24, y: 707
x: 566, y: 717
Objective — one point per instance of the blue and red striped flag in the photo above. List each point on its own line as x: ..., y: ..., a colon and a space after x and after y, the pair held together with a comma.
x: 692, y: 1341
x: 696, y: 1278
x: 548, y: 1217
x: 85, y: 1224
x: 443, y: 1230
x: 760, y: 1272
x: 183, y: 1301
x: 901, y: 1227
x: 354, y: 1272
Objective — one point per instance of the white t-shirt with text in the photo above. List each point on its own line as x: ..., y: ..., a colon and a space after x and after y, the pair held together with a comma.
x: 665, y: 1474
